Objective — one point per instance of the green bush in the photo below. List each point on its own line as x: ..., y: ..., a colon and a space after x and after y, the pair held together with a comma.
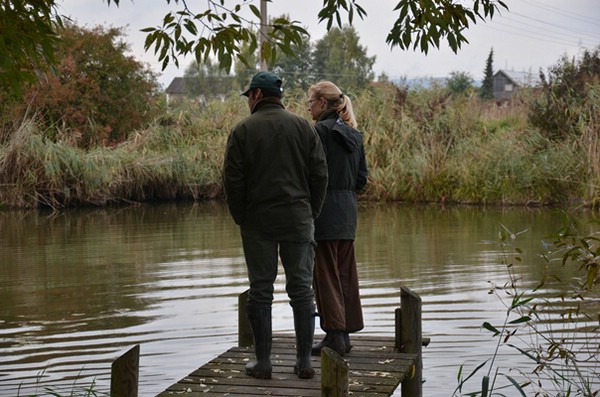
x: 96, y: 94
x: 569, y: 97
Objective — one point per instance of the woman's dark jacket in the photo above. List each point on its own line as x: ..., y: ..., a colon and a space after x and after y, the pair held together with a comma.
x: 347, y: 168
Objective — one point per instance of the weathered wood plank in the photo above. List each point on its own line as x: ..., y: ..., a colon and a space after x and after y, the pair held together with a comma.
x: 374, y: 369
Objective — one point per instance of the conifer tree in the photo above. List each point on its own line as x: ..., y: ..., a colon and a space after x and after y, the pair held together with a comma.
x: 487, y: 87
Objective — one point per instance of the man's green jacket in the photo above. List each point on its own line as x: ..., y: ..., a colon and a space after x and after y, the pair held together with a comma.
x: 275, y: 173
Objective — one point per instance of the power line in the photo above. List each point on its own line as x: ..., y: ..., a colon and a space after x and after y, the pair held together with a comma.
x: 539, y: 33
x: 562, y: 12
x: 566, y: 28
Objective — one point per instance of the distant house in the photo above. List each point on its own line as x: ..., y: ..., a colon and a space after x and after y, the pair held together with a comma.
x: 507, y: 83
x: 176, y: 91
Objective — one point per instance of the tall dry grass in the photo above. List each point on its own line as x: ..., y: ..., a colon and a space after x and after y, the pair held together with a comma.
x: 422, y: 146
x: 178, y: 159
x: 426, y: 146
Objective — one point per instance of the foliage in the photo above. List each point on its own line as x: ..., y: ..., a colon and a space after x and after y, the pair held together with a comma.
x: 566, y: 363
x: 180, y: 158
x: 459, y: 82
x: 425, y: 23
x: 487, y: 86
x: 570, y: 97
x: 427, y: 146
x: 243, y: 72
x: 29, y: 35
x: 421, y: 24
x: 76, y: 391
x: 296, y: 69
x: 94, y: 95
x: 422, y: 145
x: 339, y: 57
x: 220, y: 32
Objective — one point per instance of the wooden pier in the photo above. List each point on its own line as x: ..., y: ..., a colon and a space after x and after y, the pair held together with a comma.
x: 375, y: 366
x: 374, y: 369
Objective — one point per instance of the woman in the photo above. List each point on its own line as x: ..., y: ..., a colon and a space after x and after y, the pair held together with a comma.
x: 335, y: 275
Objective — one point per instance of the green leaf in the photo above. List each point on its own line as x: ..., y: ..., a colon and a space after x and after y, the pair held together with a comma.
x: 516, y: 385
x: 490, y: 327
x: 485, y: 386
x: 191, y: 27
x: 520, y: 320
x: 255, y: 11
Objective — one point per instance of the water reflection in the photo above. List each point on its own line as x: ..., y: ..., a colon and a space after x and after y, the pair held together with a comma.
x: 80, y: 287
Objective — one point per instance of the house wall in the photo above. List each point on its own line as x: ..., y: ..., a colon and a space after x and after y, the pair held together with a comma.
x: 504, y: 88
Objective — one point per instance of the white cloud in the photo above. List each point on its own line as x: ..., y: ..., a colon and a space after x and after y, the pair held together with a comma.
x: 533, y: 34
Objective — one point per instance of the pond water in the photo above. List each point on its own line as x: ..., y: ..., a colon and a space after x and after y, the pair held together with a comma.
x: 78, y: 288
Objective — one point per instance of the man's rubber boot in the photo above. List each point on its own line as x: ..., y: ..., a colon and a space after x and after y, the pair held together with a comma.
x: 260, y: 322
x: 333, y: 340
x: 304, y: 325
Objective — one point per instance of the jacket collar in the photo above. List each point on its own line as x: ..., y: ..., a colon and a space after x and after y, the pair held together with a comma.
x: 327, y: 114
x: 268, y: 102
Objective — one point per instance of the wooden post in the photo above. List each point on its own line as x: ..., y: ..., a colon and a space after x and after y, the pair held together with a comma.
x: 398, y: 326
x: 262, y: 38
x: 334, y: 374
x: 410, y: 340
x: 245, y: 338
x: 124, y: 374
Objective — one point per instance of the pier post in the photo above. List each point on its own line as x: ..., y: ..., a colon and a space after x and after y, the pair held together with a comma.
x: 124, y: 374
x: 245, y: 337
x: 334, y: 374
x: 409, y: 339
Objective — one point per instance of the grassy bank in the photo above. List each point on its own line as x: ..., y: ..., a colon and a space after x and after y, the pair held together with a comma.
x: 435, y: 148
x: 422, y: 146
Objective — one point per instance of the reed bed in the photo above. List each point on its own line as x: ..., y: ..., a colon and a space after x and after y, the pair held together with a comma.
x: 178, y: 159
x: 422, y: 146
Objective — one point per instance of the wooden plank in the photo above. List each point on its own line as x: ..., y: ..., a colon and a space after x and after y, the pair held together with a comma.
x: 374, y: 369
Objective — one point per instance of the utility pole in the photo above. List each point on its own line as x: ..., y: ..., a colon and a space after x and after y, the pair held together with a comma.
x: 263, y: 32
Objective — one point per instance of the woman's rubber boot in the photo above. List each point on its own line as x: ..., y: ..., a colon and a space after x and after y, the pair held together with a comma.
x: 260, y: 322
x: 333, y: 340
x: 317, y: 347
x: 304, y: 325
x: 347, y: 342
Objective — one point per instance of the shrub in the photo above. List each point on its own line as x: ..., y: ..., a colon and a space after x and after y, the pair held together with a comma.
x: 567, y: 101
x: 96, y: 95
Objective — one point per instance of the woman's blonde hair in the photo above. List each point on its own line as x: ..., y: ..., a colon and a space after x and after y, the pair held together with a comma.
x: 336, y: 100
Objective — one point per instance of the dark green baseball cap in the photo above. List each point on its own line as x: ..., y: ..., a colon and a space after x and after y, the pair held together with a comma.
x: 266, y: 81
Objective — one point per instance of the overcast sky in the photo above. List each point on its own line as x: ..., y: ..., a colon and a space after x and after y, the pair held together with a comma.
x: 533, y: 34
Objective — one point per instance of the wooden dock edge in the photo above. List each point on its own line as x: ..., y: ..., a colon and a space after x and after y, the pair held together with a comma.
x: 334, y: 370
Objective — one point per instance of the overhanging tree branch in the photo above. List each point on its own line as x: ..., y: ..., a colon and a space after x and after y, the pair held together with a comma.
x: 220, y: 31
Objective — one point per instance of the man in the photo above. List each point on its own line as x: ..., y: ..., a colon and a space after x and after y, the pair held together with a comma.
x: 275, y: 179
